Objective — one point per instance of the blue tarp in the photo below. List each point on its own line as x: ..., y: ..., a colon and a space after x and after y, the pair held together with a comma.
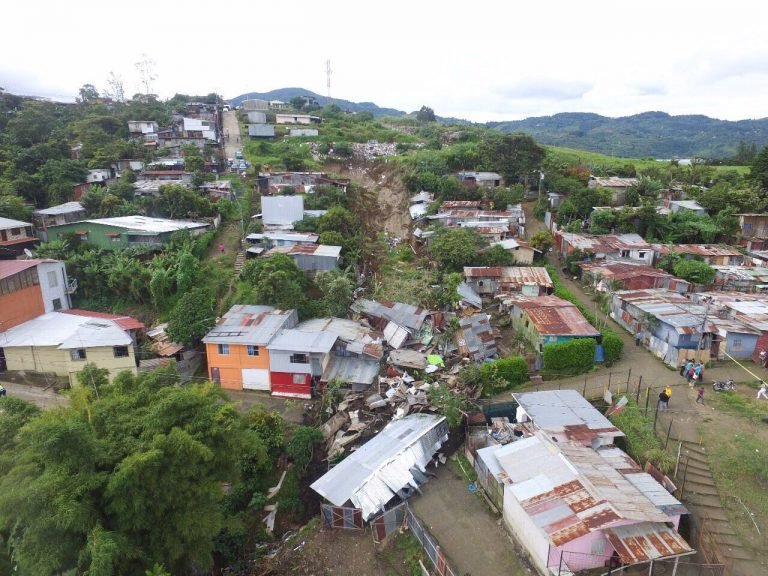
x: 599, y: 353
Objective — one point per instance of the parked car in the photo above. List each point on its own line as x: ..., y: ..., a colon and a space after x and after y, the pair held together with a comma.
x: 239, y: 154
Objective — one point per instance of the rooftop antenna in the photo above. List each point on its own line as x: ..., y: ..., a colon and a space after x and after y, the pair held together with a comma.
x: 328, y: 73
x: 28, y: 253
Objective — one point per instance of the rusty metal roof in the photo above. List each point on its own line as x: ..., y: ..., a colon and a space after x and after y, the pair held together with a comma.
x: 622, y: 270
x: 646, y: 541
x: 560, y: 321
x: 611, y: 182
x: 475, y: 337
x: 705, y: 250
x: 454, y: 204
x: 509, y: 276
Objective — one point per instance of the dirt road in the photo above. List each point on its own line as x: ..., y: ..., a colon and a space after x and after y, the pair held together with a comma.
x: 41, y: 397
x: 233, y: 143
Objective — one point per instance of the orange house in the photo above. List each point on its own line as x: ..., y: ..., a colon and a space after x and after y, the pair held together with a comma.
x: 20, y: 294
x: 236, y: 348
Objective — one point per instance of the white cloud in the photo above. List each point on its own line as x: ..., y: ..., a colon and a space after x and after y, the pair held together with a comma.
x: 482, y: 61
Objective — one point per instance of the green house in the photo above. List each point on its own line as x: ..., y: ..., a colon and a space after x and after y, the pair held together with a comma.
x: 126, y: 231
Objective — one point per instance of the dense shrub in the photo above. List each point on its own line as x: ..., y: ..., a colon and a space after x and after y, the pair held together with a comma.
x: 573, y: 357
x: 503, y: 374
x: 613, y: 346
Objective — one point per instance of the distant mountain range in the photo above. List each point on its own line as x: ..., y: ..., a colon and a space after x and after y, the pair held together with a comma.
x: 285, y: 94
x: 650, y: 134
x: 646, y: 135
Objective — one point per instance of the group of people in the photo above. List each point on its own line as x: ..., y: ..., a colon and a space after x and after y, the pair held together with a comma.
x: 692, y: 371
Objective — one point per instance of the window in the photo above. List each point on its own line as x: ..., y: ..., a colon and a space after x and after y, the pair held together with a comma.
x: 736, y: 344
x: 299, y: 359
x: 56, y: 304
x: 253, y: 350
x: 84, y: 237
x: 120, y: 351
x: 299, y: 378
x: 223, y: 349
x: 641, y: 254
x: 15, y: 231
x: 53, y: 279
x: 77, y: 354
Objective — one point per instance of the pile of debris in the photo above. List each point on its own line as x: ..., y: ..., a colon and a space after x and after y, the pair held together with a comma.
x: 373, y: 149
x: 358, y: 416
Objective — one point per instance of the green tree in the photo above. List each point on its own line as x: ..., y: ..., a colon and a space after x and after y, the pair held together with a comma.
x: 14, y: 208
x: 758, y: 172
x: 301, y: 446
x: 277, y: 281
x: 337, y: 289
x: 602, y: 221
x: 542, y: 240
x: 454, y: 248
x: 513, y: 155
x: 192, y: 318
x: 695, y: 271
x: 425, y: 114
x: 497, y: 256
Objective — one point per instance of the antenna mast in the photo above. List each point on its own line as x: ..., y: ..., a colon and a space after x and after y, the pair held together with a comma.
x: 328, y: 73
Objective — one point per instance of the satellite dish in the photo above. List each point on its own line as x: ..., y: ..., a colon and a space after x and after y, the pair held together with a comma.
x: 28, y: 252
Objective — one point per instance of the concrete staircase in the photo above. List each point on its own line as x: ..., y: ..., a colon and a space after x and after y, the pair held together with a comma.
x: 239, y: 262
x: 697, y: 489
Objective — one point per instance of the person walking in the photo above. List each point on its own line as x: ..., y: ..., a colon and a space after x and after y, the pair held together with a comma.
x: 700, y: 396
x: 683, y: 368
x: 668, y: 392
x: 763, y: 392
x: 638, y: 339
x: 689, y: 374
x: 687, y: 371
x: 663, y: 400
x: 698, y: 372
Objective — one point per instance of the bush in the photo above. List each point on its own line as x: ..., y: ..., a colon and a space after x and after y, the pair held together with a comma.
x: 640, y: 441
x: 503, y: 374
x: 573, y: 357
x: 613, y: 346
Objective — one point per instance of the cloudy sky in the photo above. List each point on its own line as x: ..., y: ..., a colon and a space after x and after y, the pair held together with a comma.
x: 480, y: 60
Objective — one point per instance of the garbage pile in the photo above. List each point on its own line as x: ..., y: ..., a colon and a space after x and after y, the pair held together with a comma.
x: 373, y: 149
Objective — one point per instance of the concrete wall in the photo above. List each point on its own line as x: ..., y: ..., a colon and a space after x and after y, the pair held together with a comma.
x: 526, y: 532
x: 231, y: 366
x: 53, y: 285
x: 51, y: 359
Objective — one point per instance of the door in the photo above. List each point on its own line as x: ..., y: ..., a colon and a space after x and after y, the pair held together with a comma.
x: 3, y: 366
x: 317, y: 366
x: 256, y: 379
x: 215, y: 375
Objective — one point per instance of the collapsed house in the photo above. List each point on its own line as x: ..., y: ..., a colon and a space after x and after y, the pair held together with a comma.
x: 392, y: 464
x: 401, y: 323
x: 606, y: 275
x: 492, y: 280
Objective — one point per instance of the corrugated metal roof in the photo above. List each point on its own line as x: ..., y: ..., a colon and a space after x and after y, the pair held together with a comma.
x: 66, y: 331
x: 146, y: 224
x: 511, y: 276
x: 457, y: 204
x: 422, y: 197
x: 255, y: 325
x: 308, y: 238
x: 10, y: 268
x: 554, y: 410
x: 350, y: 369
x: 655, y: 492
x: 622, y: 270
x: 646, y: 541
x: 475, y: 337
x: 293, y: 340
x: 468, y: 295
x: 373, y: 474
x: 705, y: 250
x: 552, y: 316
x: 611, y: 182
x: 123, y: 321
x: 282, y: 209
x: 66, y: 208
x: 406, y: 315
x: 6, y: 223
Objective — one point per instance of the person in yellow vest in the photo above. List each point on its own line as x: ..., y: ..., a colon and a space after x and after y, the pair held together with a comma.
x: 668, y: 392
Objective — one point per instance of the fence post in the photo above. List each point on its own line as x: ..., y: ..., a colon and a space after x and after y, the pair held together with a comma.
x: 639, y: 384
x: 609, y: 380
x: 629, y: 376
x: 647, y: 398
x: 685, y: 475
x: 656, y: 416
x: 669, y: 431
x: 677, y: 461
x: 560, y: 566
x: 585, y: 386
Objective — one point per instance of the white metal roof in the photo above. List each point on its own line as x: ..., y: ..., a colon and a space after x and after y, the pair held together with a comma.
x: 372, y: 475
x: 282, y: 209
x: 147, y: 224
x: 65, y: 208
x: 65, y: 331
x: 299, y: 341
x: 245, y: 324
x: 6, y: 223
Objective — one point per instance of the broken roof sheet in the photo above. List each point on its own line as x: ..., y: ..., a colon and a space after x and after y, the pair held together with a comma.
x: 66, y: 208
x: 374, y: 473
x: 468, y: 295
x: 646, y: 541
x: 552, y: 316
x: 475, y: 337
x: 612, y: 182
x: 704, y: 250
x: 555, y: 410
x: 408, y: 359
x: 123, y: 321
x: 351, y: 369
x: 405, y: 315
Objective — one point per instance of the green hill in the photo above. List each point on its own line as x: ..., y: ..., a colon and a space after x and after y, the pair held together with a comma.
x: 650, y: 134
x: 285, y: 94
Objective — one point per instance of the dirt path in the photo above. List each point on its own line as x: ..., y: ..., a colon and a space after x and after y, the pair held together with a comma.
x: 40, y: 397
x: 474, y: 541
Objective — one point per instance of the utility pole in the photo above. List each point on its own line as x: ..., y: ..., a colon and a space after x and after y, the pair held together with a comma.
x: 708, y: 300
x: 541, y: 179
x: 328, y: 73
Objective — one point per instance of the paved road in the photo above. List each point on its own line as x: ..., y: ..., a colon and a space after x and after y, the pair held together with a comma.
x: 231, y: 127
